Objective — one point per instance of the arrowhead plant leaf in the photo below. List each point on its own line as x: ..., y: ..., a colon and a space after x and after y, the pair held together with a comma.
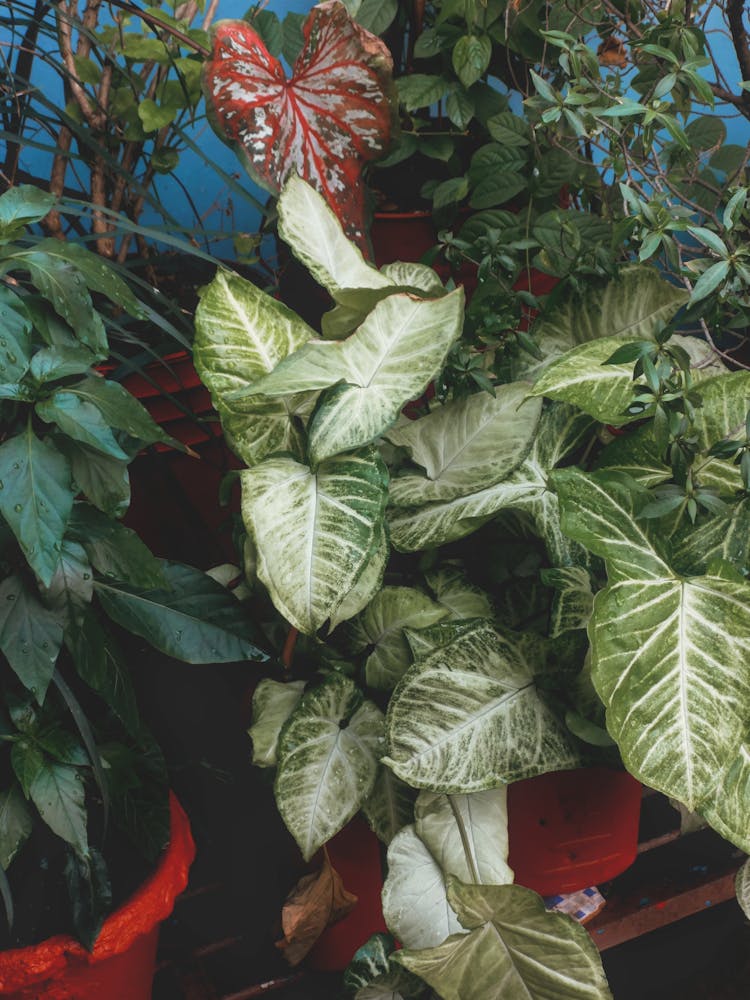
x: 273, y: 703
x: 514, y: 948
x: 327, y: 760
x: 315, y: 532
x: 390, y: 805
x: 468, y: 716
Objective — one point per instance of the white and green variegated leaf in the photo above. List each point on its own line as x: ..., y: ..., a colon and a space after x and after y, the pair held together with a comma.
x: 581, y: 377
x: 368, y: 584
x: 636, y: 305
x: 15, y: 824
x: 467, y: 834
x: 635, y: 454
x: 725, y: 402
x: 455, y: 592
x: 668, y: 653
x: 573, y: 601
x: 742, y: 888
x: 468, y: 716
x: 327, y: 760
x: 515, y: 948
x: 409, y: 274
x: 599, y: 510
x: 390, y: 805
x: 728, y: 811
x: 273, y: 703
x: 241, y: 334
x: 371, y: 976
x: 717, y: 538
x: 370, y: 376
x: 466, y: 445
x: 381, y: 627
x: 317, y: 240
x: 668, y: 663
x: 415, y: 903
x: 315, y: 532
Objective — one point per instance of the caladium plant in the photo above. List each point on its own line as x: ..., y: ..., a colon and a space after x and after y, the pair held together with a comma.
x: 325, y: 122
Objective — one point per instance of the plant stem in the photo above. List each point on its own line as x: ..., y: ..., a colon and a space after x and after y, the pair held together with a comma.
x: 463, y: 833
x: 288, y: 651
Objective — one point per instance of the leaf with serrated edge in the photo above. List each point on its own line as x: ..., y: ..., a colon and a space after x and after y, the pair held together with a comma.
x: 453, y: 825
x: 381, y: 627
x: 273, y: 703
x: 15, y: 824
x: 636, y: 305
x: 467, y: 445
x: 36, y: 498
x: 390, y: 805
x: 325, y: 771
x: 415, y: 904
x: 59, y: 796
x: 30, y: 635
x: 515, y: 948
x: 314, y: 532
x: 468, y: 716
x: 241, y: 334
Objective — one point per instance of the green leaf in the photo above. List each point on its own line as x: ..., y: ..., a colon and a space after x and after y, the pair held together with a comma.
x: 390, y: 805
x: 27, y: 761
x: 193, y: 619
x: 573, y: 601
x: 36, y: 498
x: 497, y: 173
x: 30, y: 635
x: 389, y: 360
x: 327, y: 760
x: 80, y: 420
x: 460, y: 109
x: 741, y: 886
x: 52, y: 363
x: 61, y: 283
x: 241, y: 335
x: 315, y: 532
x: 467, y: 834
x: 471, y: 58
x: 466, y: 445
x: 316, y: 238
x: 709, y: 281
x: 103, y: 479
x: 90, y: 893
x: 718, y: 538
x: 72, y: 587
x: 15, y: 824
x: 380, y: 628
x: 20, y: 206
x: 453, y: 590
x: 513, y: 941
x: 420, y: 90
x: 154, y: 116
x: 59, y: 794
x: 637, y: 305
x: 273, y: 703
x: 119, y: 408
x: 368, y: 583
x: 113, y: 549
x: 467, y: 716
x: 415, y: 903
x: 377, y: 15
x: 509, y: 129
x: 15, y: 335
x: 709, y: 239
x: 103, y: 666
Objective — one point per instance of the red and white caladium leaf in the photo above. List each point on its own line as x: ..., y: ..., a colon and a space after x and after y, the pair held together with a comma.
x: 333, y: 114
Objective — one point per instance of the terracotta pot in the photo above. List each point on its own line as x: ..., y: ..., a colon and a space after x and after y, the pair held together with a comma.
x: 355, y: 854
x: 572, y: 829
x: 121, y: 966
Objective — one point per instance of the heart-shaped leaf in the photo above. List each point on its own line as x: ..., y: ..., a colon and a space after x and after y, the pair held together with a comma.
x: 390, y: 805
x: 273, y: 703
x: 515, y: 948
x: 327, y: 759
x: 324, y: 123
x: 315, y: 532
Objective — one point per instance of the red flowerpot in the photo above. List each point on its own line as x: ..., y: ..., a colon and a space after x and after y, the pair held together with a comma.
x: 572, y: 829
x: 121, y: 966
x: 355, y: 855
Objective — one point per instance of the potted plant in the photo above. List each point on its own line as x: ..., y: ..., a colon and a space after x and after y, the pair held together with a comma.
x: 85, y: 809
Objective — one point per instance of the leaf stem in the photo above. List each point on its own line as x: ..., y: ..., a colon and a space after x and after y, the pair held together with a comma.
x: 463, y: 833
x: 288, y: 651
